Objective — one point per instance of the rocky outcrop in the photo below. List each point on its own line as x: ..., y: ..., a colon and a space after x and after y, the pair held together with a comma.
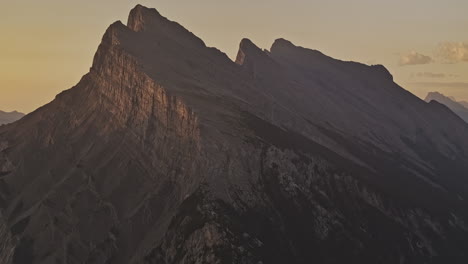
x: 169, y: 152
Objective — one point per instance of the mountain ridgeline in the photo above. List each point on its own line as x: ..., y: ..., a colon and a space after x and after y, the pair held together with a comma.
x: 9, y: 117
x: 169, y: 152
x: 459, y: 108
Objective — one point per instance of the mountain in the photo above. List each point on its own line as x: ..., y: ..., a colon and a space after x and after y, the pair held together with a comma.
x: 169, y: 152
x: 9, y: 117
x: 459, y: 108
x: 464, y: 103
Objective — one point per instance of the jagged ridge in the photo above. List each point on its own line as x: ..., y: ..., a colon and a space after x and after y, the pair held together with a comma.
x: 169, y: 152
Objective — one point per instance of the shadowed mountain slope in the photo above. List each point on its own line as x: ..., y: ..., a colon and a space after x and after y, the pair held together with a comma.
x: 169, y: 152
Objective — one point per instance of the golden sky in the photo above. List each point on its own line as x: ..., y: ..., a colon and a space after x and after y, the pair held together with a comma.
x: 46, y: 46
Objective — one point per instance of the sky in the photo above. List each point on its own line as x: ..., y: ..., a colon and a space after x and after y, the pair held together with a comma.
x: 47, y: 46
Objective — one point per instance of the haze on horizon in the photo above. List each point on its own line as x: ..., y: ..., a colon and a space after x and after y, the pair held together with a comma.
x: 48, y: 45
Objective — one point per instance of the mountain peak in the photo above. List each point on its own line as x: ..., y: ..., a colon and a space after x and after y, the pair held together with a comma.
x: 281, y: 44
x: 110, y: 36
x: 286, y: 48
x: 245, y: 43
x: 384, y: 72
x: 143, y: 20
x: 438, y: 96
x: 247, y: 49
x: 9, y: 117
x: 430, y: 94
x: 140, y: 16
x: 457, y: 107
x: 166, y: 141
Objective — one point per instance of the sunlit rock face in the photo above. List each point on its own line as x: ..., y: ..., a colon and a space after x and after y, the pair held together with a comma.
x: 169, y: 152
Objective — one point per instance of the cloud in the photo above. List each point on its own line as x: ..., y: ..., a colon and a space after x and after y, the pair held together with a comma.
x: 454, y: 85
x: 414, y: 58
x: 453, y: 52
x: 429, y: 75
x: 432, y: 75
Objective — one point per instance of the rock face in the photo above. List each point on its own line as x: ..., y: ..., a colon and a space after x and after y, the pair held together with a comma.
x: 9, y: 117
x: 169, y: 152
x: 459, y: 108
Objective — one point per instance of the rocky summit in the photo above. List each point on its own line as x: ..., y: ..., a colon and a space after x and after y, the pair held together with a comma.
x: 168, y: 152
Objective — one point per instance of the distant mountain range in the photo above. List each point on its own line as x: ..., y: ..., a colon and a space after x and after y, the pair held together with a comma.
x: 9, y: 117
x: 460, y: 108
x: 464, y: 103
x: 169, y: 152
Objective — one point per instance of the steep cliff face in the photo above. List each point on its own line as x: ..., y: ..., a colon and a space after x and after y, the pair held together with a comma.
x: 169, y: 152
x: 116, y: 122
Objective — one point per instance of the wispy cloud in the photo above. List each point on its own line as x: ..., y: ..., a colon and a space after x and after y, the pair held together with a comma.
x: 453, y: 52
x: 455, y: 85
x: 432, y: 75
x: 429, y: 75
x: 414, y: 58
